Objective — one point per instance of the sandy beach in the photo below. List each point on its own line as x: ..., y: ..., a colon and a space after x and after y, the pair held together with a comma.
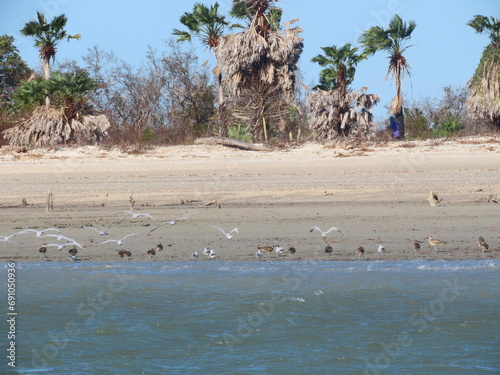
x: 375, y: 193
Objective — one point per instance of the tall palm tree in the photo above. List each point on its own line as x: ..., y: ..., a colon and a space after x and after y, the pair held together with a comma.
x: 47, y: 36
x: 259, y: 66
x: 484, y: 86
x: 269, y: 16
x: 340, y: 67
x: 392, y: 40
x: 209, y: 26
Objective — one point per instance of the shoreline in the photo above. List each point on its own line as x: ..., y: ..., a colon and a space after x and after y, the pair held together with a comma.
x: 375, y: 194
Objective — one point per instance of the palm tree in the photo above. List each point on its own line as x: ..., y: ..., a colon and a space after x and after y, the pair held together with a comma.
x: 209, y: 26
x: 259, y: 66
x: 66, y: 121
x: 47, y: 36
x: 340, y: 67
x: 484, y: 86
x: 392, y: 40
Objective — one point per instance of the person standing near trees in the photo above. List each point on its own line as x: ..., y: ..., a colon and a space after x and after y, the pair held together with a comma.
x: 395, y: 127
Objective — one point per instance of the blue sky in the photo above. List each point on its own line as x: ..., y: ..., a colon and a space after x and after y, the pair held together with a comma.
x: 446, y: 51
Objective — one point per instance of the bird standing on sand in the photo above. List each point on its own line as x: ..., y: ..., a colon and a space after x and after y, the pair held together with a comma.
x: 279, y: 250
x: 479, y: 241
x: 266, y: 248
x: 328, y: 250
x: 43, y: 251
x: 212, y: 254
x: 74, y: 258
x: 360, y: 252
x: 73, y: 251
x: 291, y: 250
x: 484, y: 247
x: 259, y: 254
x: 195, y: 255
x: 206, y: 251
x: 159, y: 247
x: 381, y: 249
x: 416, y: 246
x: 227, y: 234
x: 124, y: 253
x: 435, y: 242
x: 151, y: 254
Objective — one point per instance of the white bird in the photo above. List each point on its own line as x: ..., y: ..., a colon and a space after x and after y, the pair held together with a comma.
x: 39, y: 232
x: 119, y: 242
x: 381, y: 249
x: 279, y: 250
x: 195, y: 255
x: 171, y: 222
x: 7, y: 238
x: 259, y: 254
x: 60, y: 237
x: 212, y: 254
x: 324, y: 232
x: 206, y: 251
x: 59, y: 245
x: 74, y: 258
x: 135, y: 215
x: 227, y: 234
x: 101, y: 232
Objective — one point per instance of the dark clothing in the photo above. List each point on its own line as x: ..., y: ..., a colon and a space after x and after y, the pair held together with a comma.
x: 394, y: 126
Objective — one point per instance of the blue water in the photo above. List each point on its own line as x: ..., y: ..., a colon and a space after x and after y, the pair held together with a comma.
x: 407, y: 317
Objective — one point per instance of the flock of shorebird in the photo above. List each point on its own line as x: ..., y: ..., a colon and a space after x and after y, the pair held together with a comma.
x: 209, y: 253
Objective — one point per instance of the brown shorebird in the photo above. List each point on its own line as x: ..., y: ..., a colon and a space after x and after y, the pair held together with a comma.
x: 484, y: 247
x: 479, y: 241
x: 267, y: 249
x: 125, y: 253
x: 416, y: 246
x: 435, y: 242
x: 43, y: 251
x: 360, y: 252
x: 159, y: 247
x: 328, y: 250
x: 151, y: 254
x: 291, y: 250
x: 72, y: 251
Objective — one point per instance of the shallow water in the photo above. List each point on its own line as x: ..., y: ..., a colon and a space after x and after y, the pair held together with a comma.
x: 219, y: 317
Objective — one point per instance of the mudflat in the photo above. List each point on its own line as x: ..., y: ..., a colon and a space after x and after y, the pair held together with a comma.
x: 375, y: 193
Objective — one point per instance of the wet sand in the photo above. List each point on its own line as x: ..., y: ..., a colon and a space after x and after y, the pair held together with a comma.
x: 374, y: 194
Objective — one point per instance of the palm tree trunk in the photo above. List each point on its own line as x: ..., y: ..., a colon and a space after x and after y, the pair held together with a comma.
x: 46, y: 73
x: 397, y: 107
x: 222, y: 115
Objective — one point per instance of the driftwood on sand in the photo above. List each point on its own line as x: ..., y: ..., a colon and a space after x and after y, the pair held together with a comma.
x: 230, y: 142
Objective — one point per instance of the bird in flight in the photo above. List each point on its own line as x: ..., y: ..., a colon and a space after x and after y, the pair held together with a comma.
x: 135, y: 215
x: 227, y: 234
x: 324, y: 232
x: 38, y: 232
x: 119, y: 242
x: 171, y: 222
